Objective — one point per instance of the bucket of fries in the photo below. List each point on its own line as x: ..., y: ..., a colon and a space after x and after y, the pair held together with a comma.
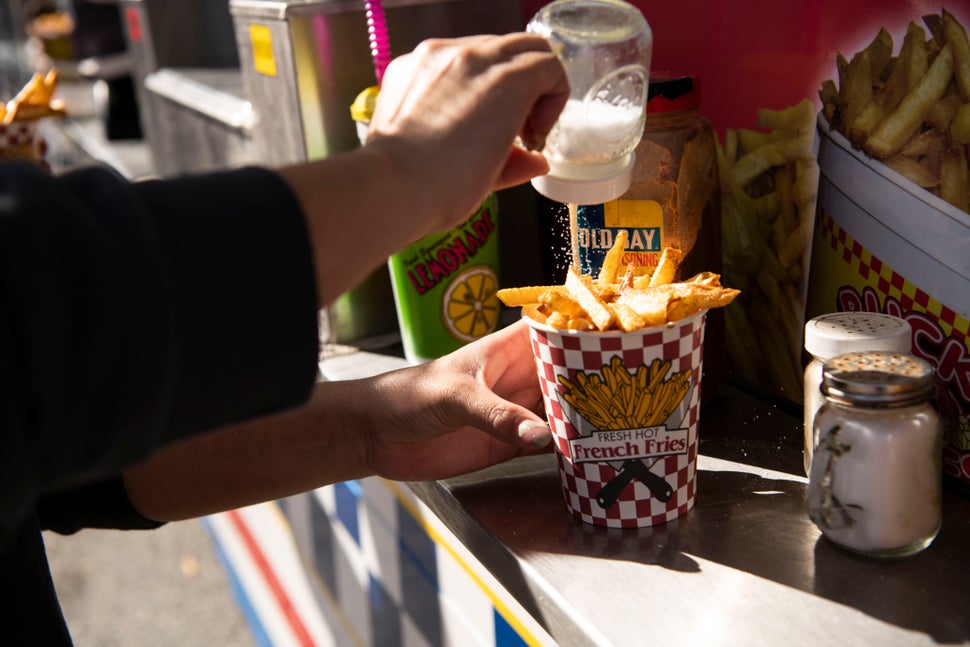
x: 893, y: 222
x: 619, y: 363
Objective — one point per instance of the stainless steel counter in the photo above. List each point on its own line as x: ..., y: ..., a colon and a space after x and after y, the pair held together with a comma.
x: 745, y: 567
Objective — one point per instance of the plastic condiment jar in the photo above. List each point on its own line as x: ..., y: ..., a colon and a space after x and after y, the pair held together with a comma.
x: 844, y: 332
x: 875, y: 483
x: 605, y: 47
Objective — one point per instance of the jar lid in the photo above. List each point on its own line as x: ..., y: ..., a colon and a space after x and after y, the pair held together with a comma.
x: 844, y: 332
x: 594, y: 188
x: 673, y: 94
x: 877, y: 378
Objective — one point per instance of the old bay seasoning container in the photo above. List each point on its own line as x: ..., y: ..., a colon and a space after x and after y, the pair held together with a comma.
x: 875, y: 482
x: 673, y: 201
x: 672, y: 197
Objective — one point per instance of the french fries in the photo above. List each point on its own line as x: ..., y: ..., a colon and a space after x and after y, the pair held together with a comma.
x: 769, y: 181
x: 34, y: 101
x: 911, y: 111
x: 627, y: 302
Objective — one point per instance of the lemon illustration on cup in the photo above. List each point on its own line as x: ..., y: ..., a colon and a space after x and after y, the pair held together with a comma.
x: 470, y: 307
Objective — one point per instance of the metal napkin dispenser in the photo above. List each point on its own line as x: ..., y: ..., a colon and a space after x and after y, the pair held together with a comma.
x: 303, y: 63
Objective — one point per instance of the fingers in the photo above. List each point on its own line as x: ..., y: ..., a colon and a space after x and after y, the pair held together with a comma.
x: 501, y: 396
x: 521, y: 167
x: 484, y: 84
x: 504, y: 420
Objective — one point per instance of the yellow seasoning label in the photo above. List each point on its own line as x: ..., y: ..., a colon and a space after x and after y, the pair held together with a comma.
x: 633, y: 213
x: 598, y: 225
x: 262, y: 40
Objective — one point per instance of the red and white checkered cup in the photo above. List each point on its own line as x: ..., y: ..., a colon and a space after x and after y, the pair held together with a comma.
x: 623, y: 477
x: 19, y: 140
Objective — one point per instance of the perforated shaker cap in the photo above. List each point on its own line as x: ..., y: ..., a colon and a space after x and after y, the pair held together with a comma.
x: 847, y: 332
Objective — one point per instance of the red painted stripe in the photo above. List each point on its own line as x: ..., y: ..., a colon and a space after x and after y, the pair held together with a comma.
x: 263, y: 566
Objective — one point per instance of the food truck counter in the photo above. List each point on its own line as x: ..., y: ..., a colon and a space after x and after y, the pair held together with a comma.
x: 495, y: 558
x: 745, y: 566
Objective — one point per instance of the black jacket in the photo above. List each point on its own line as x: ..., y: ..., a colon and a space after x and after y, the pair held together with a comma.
x: 132, y: 315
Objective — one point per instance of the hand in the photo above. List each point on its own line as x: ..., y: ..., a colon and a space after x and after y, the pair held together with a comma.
x: 450, y: 111
x: 474, y: 408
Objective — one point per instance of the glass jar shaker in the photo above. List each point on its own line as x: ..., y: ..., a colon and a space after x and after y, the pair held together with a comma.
x: 605, y: 48
x: 844, y: 332
x: 875, y: 485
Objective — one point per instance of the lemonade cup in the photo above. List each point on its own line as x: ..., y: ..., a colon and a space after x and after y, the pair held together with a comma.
x: 445, y: 286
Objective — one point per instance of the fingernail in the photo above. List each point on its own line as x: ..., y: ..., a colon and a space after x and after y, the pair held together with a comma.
x: 535, y: 433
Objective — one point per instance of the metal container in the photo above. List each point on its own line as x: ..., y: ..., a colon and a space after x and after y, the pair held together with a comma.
x: 195, y: 43
x: 203, y: 120
x: 303, y: 63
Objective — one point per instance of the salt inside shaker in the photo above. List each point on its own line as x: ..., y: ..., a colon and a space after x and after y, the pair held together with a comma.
x: 843, y: 332
x: 605, y: 48
x: 875, y: 486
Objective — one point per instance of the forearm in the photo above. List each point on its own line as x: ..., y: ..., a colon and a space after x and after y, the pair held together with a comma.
x: 441, y: 137
x: 468, y: 410
x: 262, y: 460
x: 359, y: 210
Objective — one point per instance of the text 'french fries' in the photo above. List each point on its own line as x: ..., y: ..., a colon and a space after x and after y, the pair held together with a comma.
x: 912, y: 109
x: 769, y: 183
x: 614, y: 302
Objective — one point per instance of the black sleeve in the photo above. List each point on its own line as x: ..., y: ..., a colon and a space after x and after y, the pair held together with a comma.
x: 135, y: 314
x: 101, y: 504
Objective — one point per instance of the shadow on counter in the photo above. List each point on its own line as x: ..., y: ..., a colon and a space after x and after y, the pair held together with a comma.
x: 751, y: 522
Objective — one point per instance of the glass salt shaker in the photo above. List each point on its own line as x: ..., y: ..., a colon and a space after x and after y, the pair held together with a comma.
x: 605, y: 48
x: 875, y: 485
x: 844, y: 332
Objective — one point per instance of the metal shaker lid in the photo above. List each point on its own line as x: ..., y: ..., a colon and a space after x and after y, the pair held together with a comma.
x: 877, y: 379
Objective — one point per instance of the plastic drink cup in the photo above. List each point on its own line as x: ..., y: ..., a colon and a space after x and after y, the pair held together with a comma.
x: 624, y: 409
x: 445, y: 286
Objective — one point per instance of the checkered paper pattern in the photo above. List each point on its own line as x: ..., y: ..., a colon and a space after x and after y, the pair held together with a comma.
x: 567, y: 353
x: 891, y: 286
x: 19, y: 140
x: 887, y: 281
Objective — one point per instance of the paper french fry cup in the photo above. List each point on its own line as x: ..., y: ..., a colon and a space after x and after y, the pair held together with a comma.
x: 19, y: 140
x: 624, y: 409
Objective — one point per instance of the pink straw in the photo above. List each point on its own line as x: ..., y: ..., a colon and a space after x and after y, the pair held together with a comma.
x: 380, y: 44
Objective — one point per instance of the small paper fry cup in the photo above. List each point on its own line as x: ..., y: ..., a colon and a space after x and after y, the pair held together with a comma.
x: 18, y: 140
x: 624, y: 408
